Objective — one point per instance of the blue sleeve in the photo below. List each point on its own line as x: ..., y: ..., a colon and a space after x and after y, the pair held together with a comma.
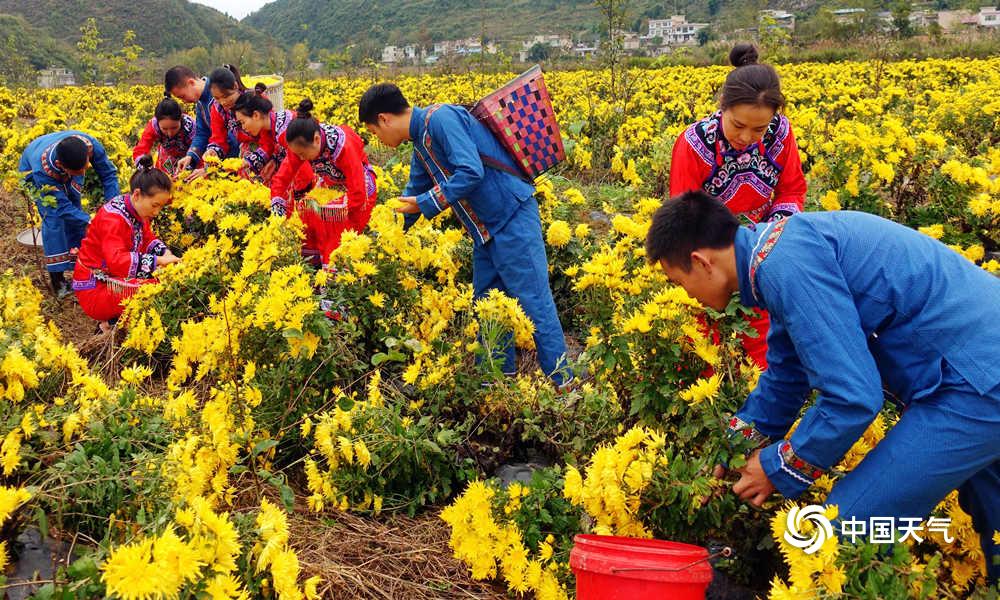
x: 106, y: 171
x: 814, y: 305
x: 202, y: 130
x: 772, y: 406
x: 418, y: 183
x: 460, y: 151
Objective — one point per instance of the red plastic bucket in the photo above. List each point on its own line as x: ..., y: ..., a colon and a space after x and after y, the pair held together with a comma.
x: 620, y: 568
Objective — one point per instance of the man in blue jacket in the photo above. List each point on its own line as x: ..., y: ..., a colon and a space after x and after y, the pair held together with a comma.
x: 54, y: 165
x: 856, y: 303
x: 498, y: 209
x: 182, y: 82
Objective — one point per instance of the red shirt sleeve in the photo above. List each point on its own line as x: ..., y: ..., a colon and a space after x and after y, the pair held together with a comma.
x: 790, y: 193
x: 282, y: 179
x: 146, y: 142
x: 219, y: 138
x: 688, y: 171
x: 351, y: 163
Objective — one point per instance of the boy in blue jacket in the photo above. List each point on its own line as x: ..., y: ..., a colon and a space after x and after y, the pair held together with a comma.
x: 498, y: 210
x: 182, y: 82
x: 55, y: 165
x: 856, y: 303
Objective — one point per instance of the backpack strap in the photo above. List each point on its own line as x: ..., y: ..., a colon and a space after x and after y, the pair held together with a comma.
x: 488, y: 161
x: 498, y: 165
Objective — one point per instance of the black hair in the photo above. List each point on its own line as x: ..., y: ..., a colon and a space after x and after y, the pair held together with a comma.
x: 73, y: 153
x: 751, y: 82
x: 686, y: 223
x: 251, y: 102
x: 304, y: 126
x: 227, y: 78
x: 381, y: 98
x: 168, y: 108
x: 148, y: 179
x: 176, y: 76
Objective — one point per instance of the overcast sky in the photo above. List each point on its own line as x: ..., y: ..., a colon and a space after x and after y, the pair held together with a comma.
x: 236, y: 8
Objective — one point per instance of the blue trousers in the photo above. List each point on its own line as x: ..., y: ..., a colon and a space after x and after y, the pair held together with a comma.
x: 946, y: 441
x: 514, y: 262
x: 63, y: 228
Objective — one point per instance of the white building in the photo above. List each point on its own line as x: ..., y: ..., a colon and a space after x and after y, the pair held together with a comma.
x: 989, y: 16
x: 781, y: 18
x: 848, y: 15
x: 55, y: 77
x: 584, y: 50
x: 952, y: 20
x: 675, y: 31
x: 555, y: 41
x: 392, y: 55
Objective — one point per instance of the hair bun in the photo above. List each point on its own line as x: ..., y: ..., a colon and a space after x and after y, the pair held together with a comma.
x: 304, y: 109
x: 743, y: 54
x: 260, y: 87
x: 145, y: 163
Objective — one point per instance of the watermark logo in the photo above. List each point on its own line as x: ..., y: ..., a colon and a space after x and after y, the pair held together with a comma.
x: 875, y: 530
x: 822, y: 528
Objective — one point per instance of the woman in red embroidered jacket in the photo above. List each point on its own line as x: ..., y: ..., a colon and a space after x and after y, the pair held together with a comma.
x: 745, y: 155
x: 263, y: 125
x: 120, y: 252
x: 336, y: 154
x: 170, y: 131
x: 227, y: 88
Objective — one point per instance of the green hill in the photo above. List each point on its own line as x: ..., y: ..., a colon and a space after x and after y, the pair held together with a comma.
x: 161, y: 26
x: 338, y: 23
x: 26, y: 47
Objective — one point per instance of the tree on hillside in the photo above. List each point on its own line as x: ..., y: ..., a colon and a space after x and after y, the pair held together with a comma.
x: 122, y: 64
x: 539, y: 52
x: 901, y: 18
x: 241, y: 54
x: 277, y: 60
x: 14, y: 67
x: 89, y: 48
x: 298, y: 59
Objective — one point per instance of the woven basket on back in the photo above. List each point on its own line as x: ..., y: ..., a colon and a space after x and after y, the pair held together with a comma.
x: 520, y: 115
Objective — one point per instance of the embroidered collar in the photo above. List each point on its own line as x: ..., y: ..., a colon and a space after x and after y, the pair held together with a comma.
x: 50, y: 166
x: 416, y: 119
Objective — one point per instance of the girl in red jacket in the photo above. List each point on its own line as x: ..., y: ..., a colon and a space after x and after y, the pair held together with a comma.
x: 170, y: 131
x: 227, y: 88
x: 120, y: 252
x: 336, y: 154
x: 745, y: 155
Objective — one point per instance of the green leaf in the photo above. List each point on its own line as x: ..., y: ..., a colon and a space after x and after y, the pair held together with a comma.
x: 345, y: 404
x: 43, y: 522
x: 264, y: 446
x: 83, y: 568
x: 379, y: 358
x: 287, y: 497
x: 292, y: 333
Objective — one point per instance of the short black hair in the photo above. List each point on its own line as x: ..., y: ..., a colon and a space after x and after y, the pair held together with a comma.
x: 73, y: 153
x: 686, y: 223
x: 176, y: 76
x: 381, y: 98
